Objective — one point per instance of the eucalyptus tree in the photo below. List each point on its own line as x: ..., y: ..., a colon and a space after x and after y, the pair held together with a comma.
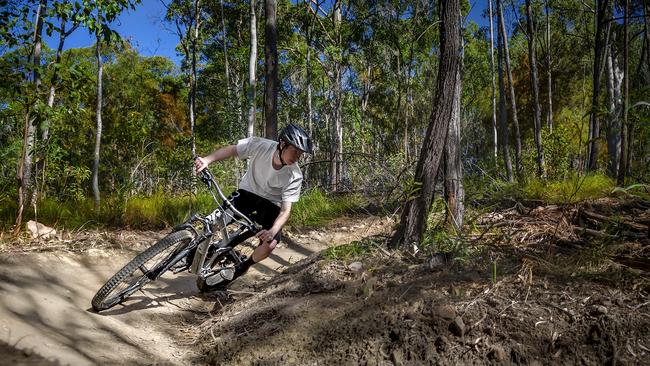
x: 271, y: 67
x: 252, y: 69
x: 623, y: 165
x: 503, y: 114
x: 511, y: 85
x: 65, y: 11
x: 187, y: 17
x: 453, y: 166
x: 494, y: 95
x: 602, y: 9
x: 537, y: 116
x: 613, y: 82
x: 24, y: 174
x: 414, y: 213
x: 97, y: 16
x: 549, y: 77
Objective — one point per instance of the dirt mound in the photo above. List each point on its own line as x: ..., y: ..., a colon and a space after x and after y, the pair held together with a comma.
x: 408, y: 314
x: 505, y: 300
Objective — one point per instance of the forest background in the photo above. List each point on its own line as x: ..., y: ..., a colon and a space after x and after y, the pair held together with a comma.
x: 552, y: 105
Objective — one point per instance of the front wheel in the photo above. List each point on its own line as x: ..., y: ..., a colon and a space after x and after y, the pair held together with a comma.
x: 141, y: 270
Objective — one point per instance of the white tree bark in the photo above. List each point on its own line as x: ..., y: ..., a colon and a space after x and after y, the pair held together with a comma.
x: 252, y: 66
x: 494, y: 94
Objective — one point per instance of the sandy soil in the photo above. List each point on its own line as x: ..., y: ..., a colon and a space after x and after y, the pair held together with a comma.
x: 529, y: 285
x: 45, y: 313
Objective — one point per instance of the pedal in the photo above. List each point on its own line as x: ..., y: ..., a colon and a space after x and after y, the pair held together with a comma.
x: 226, y: 274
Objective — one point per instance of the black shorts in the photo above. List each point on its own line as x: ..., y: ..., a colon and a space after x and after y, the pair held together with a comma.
x: 258, y: 209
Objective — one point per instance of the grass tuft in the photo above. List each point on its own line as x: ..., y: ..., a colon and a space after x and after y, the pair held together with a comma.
x: 574, y: 189
x: 349, y: 251
x: 315, y: 208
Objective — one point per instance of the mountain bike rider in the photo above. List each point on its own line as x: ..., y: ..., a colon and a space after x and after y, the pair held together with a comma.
x: 267, y: 190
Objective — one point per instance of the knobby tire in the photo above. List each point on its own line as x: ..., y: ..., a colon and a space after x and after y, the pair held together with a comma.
x: 103, y: 301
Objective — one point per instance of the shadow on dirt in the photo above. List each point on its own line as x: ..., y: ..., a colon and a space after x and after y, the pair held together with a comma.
x: 45, y: 302
x: 404, y: 313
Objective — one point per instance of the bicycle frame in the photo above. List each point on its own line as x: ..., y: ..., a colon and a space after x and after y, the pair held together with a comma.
x: 220, y: 218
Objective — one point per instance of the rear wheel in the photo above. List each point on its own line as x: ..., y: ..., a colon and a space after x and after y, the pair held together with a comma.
x: 140, y: 270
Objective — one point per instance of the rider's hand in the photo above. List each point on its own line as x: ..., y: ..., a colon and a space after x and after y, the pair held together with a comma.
x: 265, y: 235
x: 200, y: 164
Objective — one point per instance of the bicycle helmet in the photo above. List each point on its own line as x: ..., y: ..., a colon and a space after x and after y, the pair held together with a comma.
x: 297, y: 137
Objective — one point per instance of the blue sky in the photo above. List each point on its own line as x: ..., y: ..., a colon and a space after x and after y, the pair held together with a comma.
x: 144, y: 27
x: 150, y: 35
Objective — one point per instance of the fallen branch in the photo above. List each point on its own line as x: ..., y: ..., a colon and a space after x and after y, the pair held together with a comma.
x: 599, y: 217
x: 595, y: 233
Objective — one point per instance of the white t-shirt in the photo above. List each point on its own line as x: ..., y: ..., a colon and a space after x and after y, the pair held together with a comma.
x: 261, y: 178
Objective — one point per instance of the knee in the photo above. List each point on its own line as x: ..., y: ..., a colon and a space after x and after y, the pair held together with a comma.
x: 272, y: 245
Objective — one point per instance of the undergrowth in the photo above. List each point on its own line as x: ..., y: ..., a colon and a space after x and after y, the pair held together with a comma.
x: 345, y: 252
x: 574, y: 189
x: 161, y: 210
x: 315, y: 208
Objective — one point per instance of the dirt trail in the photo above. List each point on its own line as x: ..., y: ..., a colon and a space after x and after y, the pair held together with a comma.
x: 45, y: 302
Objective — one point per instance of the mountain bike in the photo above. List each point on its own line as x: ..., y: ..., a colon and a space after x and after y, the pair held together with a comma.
x: 203, y: 245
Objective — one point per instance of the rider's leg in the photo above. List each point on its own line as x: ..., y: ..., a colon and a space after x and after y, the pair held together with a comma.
x: 264, y: 212
x: 260, y: 253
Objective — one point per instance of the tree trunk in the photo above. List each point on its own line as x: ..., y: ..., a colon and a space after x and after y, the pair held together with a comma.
x: 646, y: 31
x: 194, y: 40
x: 622, y: 172
x: 229, y: 102
x: 535, y: 85
x: 271, y: 64
x: 336, y: 164
x: 594, y: 122
x: 50, y: 99
x: 24, y: 173
x: 413, y: 218
x: 364, y: 104
x: 549, y: 80
x: 55, y: 77
x: 494, y: 95
x: 252, y: 65
x: 503, y: 115
x: 511, y: 84
x: 98, y: 122
x: 308, y: 76
x: 614, y: 77
x: 454, y: 191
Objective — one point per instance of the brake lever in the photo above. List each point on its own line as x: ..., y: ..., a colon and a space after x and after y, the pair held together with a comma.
x: 205, y: 178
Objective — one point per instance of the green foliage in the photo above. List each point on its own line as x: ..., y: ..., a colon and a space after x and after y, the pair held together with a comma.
x: 638, y: 190
x: 574, y: 188
x: 156, y: 211
x: 315, y: 208
x: 387, y: 52
x: 557, y: 149
x: 345, y: 252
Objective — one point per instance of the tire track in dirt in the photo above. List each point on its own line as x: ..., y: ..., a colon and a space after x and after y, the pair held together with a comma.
x: 45, y: 302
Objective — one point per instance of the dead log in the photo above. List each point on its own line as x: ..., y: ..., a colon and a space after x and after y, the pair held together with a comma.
x: 595, y: 233
x: 630, y: 224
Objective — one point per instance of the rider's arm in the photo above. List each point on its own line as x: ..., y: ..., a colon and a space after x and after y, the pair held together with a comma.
x: 220, y: 154
x: 285, y: 212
